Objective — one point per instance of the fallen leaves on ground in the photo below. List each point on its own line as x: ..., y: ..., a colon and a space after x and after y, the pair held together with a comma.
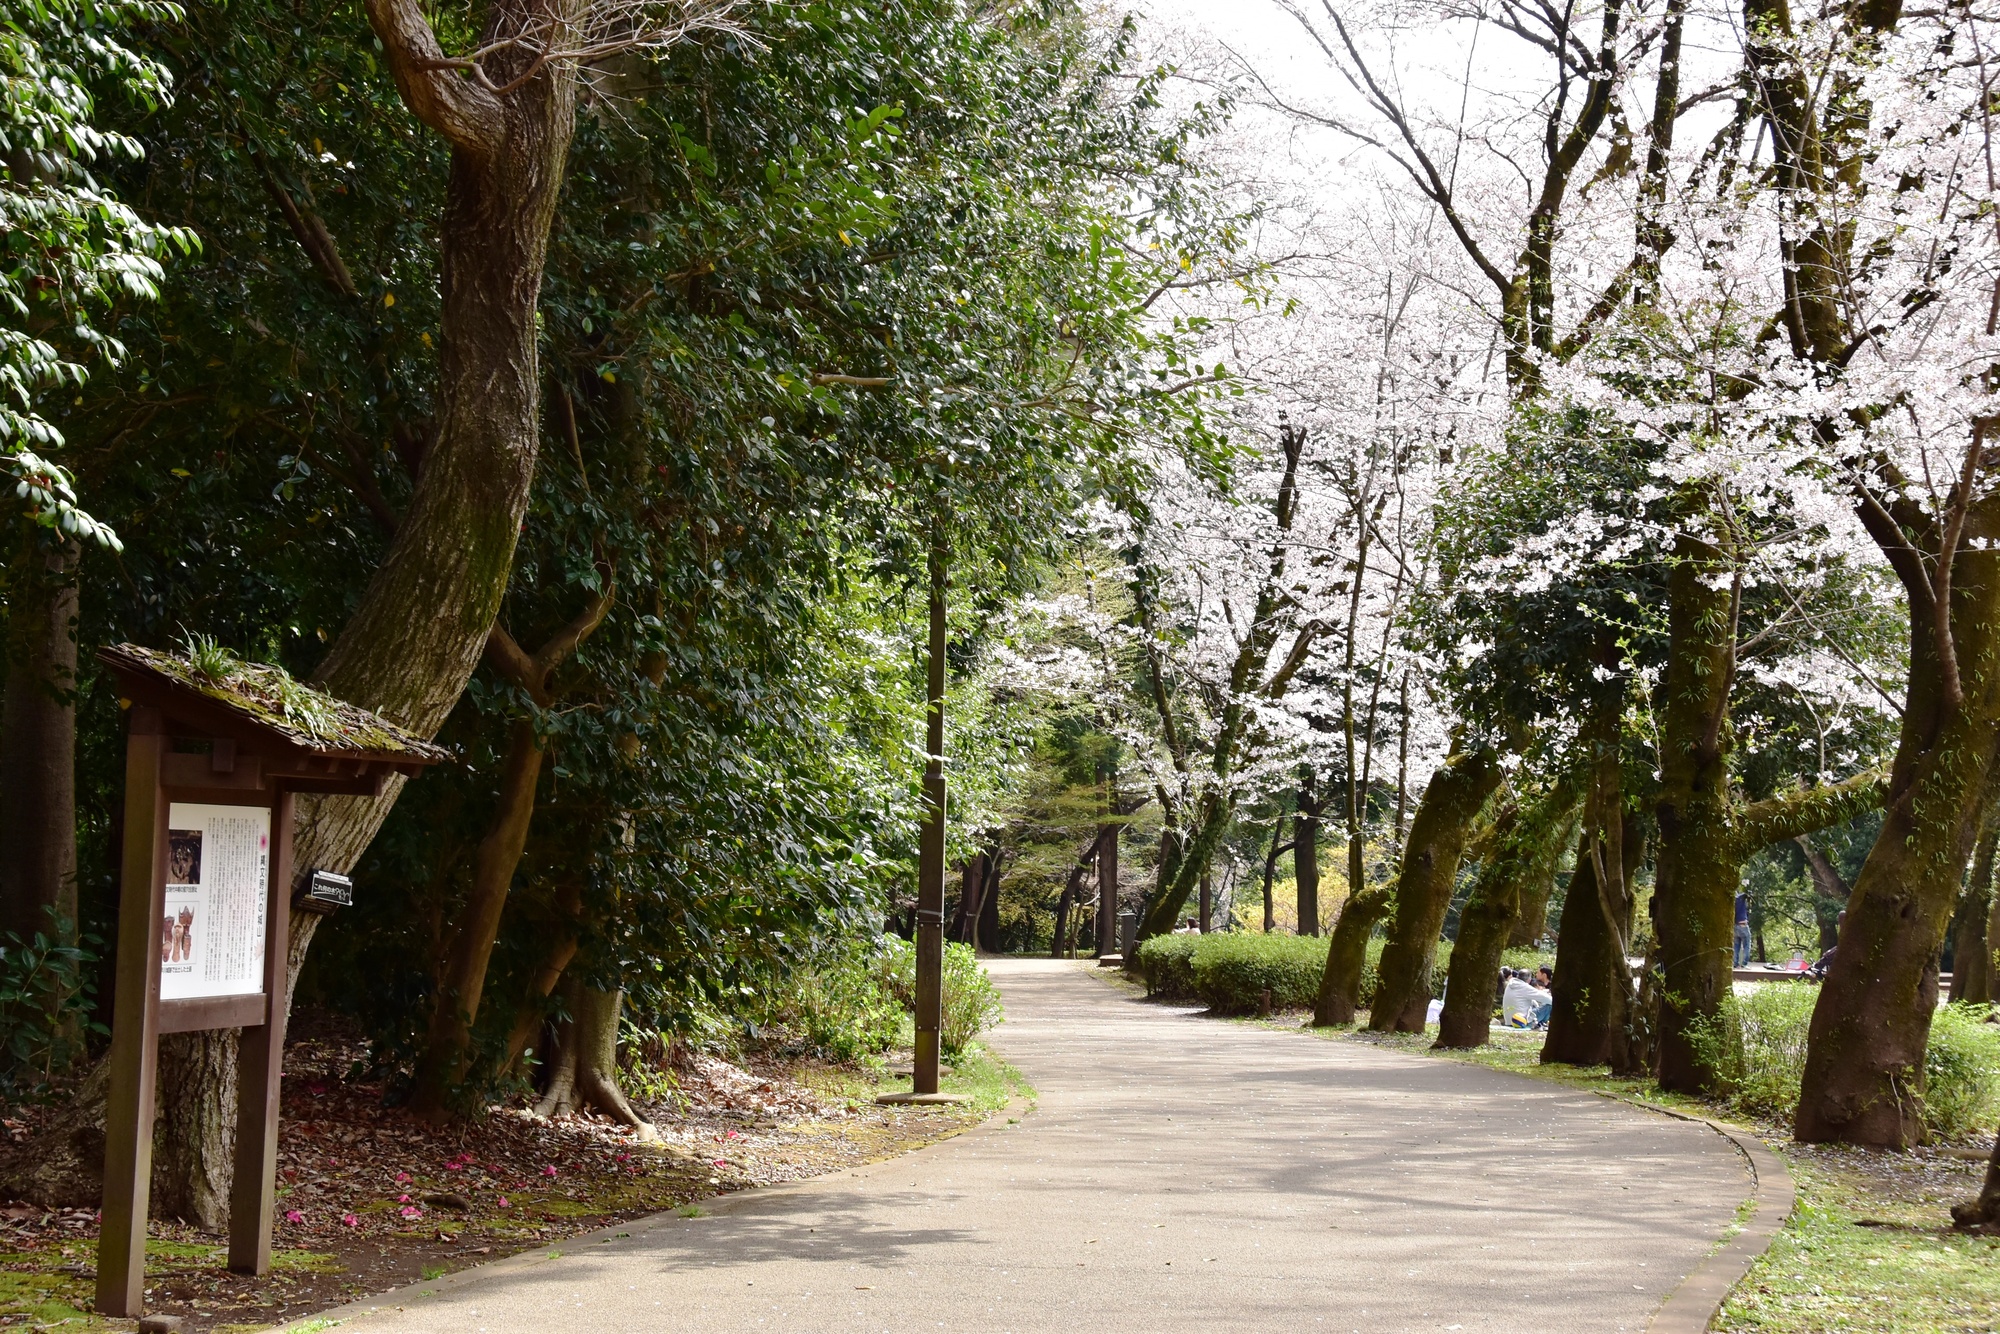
x: 370, y: 1197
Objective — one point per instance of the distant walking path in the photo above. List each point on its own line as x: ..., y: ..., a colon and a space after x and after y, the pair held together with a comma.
x: 1178, y: 1174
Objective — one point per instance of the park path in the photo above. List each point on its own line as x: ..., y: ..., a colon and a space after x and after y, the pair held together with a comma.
x: 1178, y: 1174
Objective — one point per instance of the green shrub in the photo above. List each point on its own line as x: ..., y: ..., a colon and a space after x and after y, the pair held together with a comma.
x: 1232, y: 971
x: 1758, y: 1043
x: 47, y: 992
x: 971, y: 1001
x: 1962, y: 1073
x: 843, y: 1002
x: 1167, y: 964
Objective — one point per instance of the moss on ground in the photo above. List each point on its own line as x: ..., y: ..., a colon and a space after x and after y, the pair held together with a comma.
x: 45, y: 1300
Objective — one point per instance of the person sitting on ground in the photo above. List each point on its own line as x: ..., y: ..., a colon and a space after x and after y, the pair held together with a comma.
x: 1523, y: 1004
x: 1545, y: 983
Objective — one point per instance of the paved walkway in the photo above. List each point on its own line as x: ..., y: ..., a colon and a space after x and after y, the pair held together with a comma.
x: 1179, y: 1174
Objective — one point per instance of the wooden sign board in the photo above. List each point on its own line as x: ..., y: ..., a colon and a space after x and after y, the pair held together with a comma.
x: 204, y: 916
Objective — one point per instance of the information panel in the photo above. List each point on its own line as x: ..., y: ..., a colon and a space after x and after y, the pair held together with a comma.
x: 218, y: 871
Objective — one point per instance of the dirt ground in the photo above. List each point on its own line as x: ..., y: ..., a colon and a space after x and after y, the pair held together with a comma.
x: 370, y: 1198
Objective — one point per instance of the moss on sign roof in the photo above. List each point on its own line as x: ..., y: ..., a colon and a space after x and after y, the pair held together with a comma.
x: 270, y: 697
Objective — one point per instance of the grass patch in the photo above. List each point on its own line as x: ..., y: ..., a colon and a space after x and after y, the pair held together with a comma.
x: 1906, y: 1273
x: 990, y: 1082
x: 44, y: 1300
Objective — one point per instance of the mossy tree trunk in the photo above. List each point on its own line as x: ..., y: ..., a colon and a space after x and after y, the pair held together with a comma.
x: 1697, y: 872
x: 1864, y: 1072
x: 1444, y: 823
x: 1590, y: 1017
x: 1438, y: 833
x: 1527, y: 839
x: 1705, y: 832
x: 1305, y: 858
x: 421, y: 625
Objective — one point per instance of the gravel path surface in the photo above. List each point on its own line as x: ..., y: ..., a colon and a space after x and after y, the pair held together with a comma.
x: 1177, y: 1174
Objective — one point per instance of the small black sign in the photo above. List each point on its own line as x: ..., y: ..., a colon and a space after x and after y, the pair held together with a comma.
x: 327, y: 891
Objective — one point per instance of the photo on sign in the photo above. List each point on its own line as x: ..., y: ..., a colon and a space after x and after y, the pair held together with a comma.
x: 184, y: 856
x: 177, y: 934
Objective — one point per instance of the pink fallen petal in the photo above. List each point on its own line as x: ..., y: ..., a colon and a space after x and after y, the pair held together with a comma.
x: 294, y: 1216
x: 350, y: 1220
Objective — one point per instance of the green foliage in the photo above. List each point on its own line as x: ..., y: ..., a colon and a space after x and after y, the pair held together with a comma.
x: 47, y: 994
x: 1758, y: 1043
x: 1167, y: 964
x: 842, y: 1001
x: 1229, y: 969
x: 69, y: 249
x: 1962, y: 1073
x: 1233, y: 970
x: 971, y: 1001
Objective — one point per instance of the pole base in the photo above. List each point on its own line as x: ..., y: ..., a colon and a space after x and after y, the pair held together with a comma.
x: 923, y: 1099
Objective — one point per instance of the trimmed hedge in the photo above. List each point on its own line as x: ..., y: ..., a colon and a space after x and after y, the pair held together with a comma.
x: 1232, y: 971
x: 1167, y: 964
x: 1229, y: 970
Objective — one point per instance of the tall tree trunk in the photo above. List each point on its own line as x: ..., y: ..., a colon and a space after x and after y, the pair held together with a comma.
x: 1587, y: 1018
x: 1194, y: 853
x: 476, y: 927
x: 421, y: 625
x: 1829, y: 887
x: 965, y: 922
x: 1438, y: 832
x: 1526, y: 844
x: 1993, y: 949
x: 1271, y: 873
x: 1305, y: 862
x: 1699, y: 866
x: 455, y: 1005
x: 1531, y: 924
x: 1107, y: 875
x: 1972, y: 951
x: 38, y: 738
x: 1971, y: 961
x: 1061, y: 935
x: 194, y: 1141
x: 532, y: 1016
x: 1438, y: 835
x: 1864, y: 1074
x: 986, y: 935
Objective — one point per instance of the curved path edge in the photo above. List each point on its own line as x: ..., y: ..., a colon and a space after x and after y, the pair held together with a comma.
x: 1692, y: 1307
